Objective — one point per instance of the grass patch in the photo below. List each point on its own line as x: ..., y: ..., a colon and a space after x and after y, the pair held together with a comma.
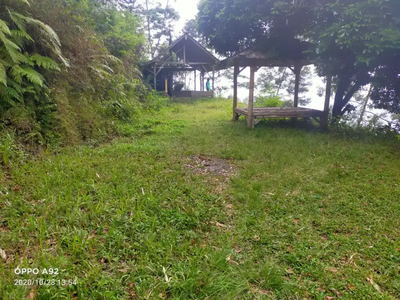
x: 306, y: 215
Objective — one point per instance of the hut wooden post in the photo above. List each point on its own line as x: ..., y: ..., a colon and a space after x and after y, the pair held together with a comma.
x: 155, y: 77
x: 235, y: 91
x: 213, y: 83
x: 250, y: 117
x: 325, y: 116
x: 202, y: 81
x: 195, y: 80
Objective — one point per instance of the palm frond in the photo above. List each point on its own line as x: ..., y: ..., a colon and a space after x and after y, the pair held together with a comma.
x: 50, y: 37
x: 16, y: 73
x: 100, y: 72
x: 45, y: 62
x: 24, y: 2
x: 32, y: 76
x: 57, y: 51
x: 108, y: 57
x: 46, y: 29
x: 4, y: 27
x: 12, y: 49
x: 106, y: 68
x: 3, y: 74
x: 18, y: 19
x: 12, y: 93
x: 4, y: 96
x: 21, y: 34
x: 16, y: 86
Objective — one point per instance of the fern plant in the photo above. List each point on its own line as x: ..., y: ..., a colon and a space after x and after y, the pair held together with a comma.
x: 21, y: 67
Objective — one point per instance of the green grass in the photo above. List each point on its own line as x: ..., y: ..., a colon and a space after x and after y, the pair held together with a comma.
x: 307, y: 215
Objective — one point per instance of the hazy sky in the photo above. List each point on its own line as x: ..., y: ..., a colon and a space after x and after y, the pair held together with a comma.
x: 188, y: 9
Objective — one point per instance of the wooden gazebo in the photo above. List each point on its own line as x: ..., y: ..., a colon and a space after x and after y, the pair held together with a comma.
x: 184, y: 54
x: 255, y: 60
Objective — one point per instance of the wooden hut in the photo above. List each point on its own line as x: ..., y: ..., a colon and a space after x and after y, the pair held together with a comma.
x: 183, y: 55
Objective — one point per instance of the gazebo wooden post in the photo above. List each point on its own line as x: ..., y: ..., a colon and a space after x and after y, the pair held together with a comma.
x: 325, y: 116
x: 235, y: 91
x: 250, y: 117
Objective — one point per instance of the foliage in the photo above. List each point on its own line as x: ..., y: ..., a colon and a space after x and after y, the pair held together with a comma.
x: 101, y: 85
x: 386, y: 83
x: 349, y: 39
x: 225, y: 25
x: 28, y: 50
x: 159, y: 25
x: 192, y: 28
x: 281, y: 82
x: 19, y: 78
x: 268, y: 101
x: 118, y: 29
x: 155, y: 101
x: 355, y: 41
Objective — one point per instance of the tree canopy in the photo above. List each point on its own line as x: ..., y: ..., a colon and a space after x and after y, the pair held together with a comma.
x: 352, y: 39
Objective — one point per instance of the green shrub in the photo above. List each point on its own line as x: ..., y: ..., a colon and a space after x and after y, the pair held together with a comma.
x: 154, y: 101
x: 47, y: 100
x: 268, y: 101
x: 21, y: 65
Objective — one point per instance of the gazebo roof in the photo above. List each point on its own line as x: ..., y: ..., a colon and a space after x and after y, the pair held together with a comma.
x: 251, y: 57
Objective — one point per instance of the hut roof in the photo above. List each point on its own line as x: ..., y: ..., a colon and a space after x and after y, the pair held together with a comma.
x: 190, y: 54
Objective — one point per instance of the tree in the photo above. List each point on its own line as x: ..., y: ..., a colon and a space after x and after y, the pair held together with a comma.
x: 349, y: 38
x: 158, y: 22
x: 352, y: 43
x: 234, y: 25
x: 159, y: 25
x: 386, y: 84
x: 281, y: 82
x: 192, y: 28
x: 129, y: 5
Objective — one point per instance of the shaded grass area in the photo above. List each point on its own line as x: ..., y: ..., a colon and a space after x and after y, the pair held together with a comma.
x: 307, y: 215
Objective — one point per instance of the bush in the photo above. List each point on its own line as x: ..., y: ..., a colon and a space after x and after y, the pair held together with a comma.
x: 78, y: 99
x: 268, y: 101
x: 155, y: 101
x: 72, y: 88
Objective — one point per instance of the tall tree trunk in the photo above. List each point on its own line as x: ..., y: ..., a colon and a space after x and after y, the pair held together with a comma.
x: 345, y: 91
x: 165, y: 24
x: 364, y: 107
x: 340, y: 91
x: 280, y: 83
x: 148, y: 30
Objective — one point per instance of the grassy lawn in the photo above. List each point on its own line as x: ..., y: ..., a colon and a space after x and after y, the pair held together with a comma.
x: 193, y: 206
